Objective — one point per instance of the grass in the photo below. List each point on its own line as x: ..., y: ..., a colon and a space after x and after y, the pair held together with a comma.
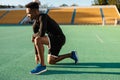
x: 98, y: 49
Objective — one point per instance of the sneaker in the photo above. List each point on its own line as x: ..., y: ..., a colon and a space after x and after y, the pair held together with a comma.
x: 38, y: 70
x: 38, y: 65
x: 74, y: 56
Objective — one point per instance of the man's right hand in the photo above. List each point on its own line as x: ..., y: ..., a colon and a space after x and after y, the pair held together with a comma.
x: 33, y: 39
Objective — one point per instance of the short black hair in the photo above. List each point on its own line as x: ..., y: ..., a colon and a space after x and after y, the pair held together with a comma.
x: 32, y: 5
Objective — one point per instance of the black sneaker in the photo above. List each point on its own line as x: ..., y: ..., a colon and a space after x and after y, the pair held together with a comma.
x: 74, y: 56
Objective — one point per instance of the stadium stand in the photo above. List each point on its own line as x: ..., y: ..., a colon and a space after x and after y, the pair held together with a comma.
x: 101, y: 15
x: 88, y: 16
x: 61, y: 15
x: 13, y: 17
x: 111, y: 14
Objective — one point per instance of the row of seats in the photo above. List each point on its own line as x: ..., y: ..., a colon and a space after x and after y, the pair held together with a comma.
x: 91, y: 15
x: 62, y: 16
x: 110, y: 15
x: 12, y: 17
x: 2, y: 12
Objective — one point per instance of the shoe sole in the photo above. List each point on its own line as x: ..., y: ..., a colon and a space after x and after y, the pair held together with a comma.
x: 76, y: 57
x: 39, y: 72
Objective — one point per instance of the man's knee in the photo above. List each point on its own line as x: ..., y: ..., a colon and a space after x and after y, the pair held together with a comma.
x: 51, y: 60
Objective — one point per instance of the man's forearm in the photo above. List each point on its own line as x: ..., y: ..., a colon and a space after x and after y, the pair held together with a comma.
x: 36, y: 34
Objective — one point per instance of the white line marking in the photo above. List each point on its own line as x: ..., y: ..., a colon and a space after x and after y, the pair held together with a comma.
x: 99, y: 38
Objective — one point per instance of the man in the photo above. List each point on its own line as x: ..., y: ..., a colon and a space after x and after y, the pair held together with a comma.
x: 55, y: 38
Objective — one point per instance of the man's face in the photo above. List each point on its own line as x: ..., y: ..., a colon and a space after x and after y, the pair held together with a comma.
x: 31, y: 13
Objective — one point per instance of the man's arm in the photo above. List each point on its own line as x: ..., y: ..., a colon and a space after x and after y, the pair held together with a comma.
x: 38, y: 34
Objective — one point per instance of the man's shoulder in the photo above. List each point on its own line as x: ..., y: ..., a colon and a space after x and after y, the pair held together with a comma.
x: 44, y: 15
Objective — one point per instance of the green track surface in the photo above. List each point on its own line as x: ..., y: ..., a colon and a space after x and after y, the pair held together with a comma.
x: 98, y: 48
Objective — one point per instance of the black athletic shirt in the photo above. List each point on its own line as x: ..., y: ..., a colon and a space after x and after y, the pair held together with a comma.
x: 48, y: 26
